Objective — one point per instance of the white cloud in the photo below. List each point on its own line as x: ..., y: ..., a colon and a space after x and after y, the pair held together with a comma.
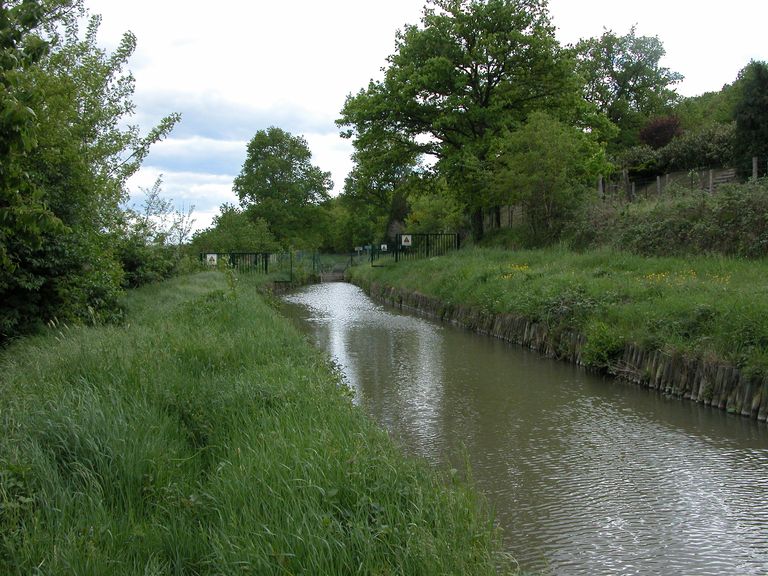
x: 330, y: 152
x: 206, y: 192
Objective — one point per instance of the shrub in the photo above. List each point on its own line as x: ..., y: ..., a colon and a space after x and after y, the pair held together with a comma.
x: 660, y: 131
x: 733, y: 222
x: 603, y: 347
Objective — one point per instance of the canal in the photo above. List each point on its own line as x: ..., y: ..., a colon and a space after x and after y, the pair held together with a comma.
x: 586, y: 475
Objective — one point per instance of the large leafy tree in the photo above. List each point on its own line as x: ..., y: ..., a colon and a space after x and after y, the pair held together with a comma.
x: 23, y: 214
x: 751, y: 114
x: 279, y: 184
x: 471, y: 71
x: 68, y: 166
x: 624, y: 78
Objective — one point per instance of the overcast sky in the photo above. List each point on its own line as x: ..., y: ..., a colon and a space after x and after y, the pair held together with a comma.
x: 233, y: 67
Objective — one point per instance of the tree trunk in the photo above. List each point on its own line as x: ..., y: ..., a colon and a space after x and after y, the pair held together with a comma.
x: 477, y: 224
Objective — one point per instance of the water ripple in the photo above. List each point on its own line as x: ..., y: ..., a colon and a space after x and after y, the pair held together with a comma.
x: 586, y: 476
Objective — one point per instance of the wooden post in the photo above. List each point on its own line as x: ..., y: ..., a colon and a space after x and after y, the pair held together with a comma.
x: 627, y: 189
x: 711, y: 180
x: 600, y: 187
x: 633, y: 192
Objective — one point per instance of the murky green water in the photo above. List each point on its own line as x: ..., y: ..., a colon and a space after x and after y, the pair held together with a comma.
x: 586, y: 475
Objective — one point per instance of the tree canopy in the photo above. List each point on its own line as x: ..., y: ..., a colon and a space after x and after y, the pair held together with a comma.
x: 624, y: 78
x: 546, y: 167
x: 233, y: 230
x: 279, y: 184
x: 751, y: 114
x: 66, y: 151
x: 472, y: 70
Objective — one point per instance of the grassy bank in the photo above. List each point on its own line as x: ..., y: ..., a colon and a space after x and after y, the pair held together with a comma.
x: 714, y: 308
x: 205, y: 436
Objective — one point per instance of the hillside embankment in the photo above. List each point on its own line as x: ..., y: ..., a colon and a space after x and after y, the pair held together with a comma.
x: 691, y: 327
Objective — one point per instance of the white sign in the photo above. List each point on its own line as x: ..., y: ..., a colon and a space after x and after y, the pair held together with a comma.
x: 358, y: 248
x: 211, y: 259
x: 383, y: 247
x: 406, y: 240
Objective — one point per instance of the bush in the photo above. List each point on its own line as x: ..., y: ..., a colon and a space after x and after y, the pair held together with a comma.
x: 733, y: 221
x: 710, y: 147
x: 603, y: 347
x: 659, y: 132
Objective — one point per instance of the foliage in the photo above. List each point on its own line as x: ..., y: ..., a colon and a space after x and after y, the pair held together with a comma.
x: 625, y: 80
x: 149, y: 247
x: 472, y: 70
x: 353, y: 223
x: 751, y: 114
x: 434, y: 211
x: 206, y: 436
x: 710, y: 108
x: 234, y: 230
x: 547, y: 168
x: 660, y: 131
x: 279, y: 184
x: 733, y: 222
x: 65, y: 168
x: 384, y: 173
x: 708, y: 147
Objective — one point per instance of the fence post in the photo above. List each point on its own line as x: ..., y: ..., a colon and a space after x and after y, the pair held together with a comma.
x: 600, y: 189
x: 626, y: 184
x: 658, y: 185
x: 711, y: 180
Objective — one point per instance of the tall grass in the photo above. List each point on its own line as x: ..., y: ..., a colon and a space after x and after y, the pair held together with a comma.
x: 712, y: 307
x: 205, y: 436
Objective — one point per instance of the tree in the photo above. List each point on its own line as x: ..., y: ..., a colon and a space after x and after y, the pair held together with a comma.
x: 471, y: 71
x: 547, y: 167
x: 234, y: 231
x: 707, y: 109
x: 67, y: 103
x: 751, y: 115
x: 624, y: 79
x: 149, y: 246
x: 660, y: 131
x: 279, y: 184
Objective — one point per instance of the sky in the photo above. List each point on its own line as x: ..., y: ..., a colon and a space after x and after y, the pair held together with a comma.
x: 233, y: 67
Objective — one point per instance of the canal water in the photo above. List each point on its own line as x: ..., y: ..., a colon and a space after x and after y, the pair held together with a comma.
x: 585, y: 475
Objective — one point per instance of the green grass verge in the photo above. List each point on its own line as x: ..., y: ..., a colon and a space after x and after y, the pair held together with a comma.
x: 205, y: 436
x: 715, y: 308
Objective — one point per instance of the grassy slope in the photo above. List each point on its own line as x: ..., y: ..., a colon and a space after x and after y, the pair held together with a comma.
x: 207, y: 437
x: 712, y: 307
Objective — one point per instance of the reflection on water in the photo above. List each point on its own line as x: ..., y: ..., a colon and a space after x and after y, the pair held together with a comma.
x: 587, y: 476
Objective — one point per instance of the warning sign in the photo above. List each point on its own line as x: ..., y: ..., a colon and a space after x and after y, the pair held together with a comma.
x: 406, y: 240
